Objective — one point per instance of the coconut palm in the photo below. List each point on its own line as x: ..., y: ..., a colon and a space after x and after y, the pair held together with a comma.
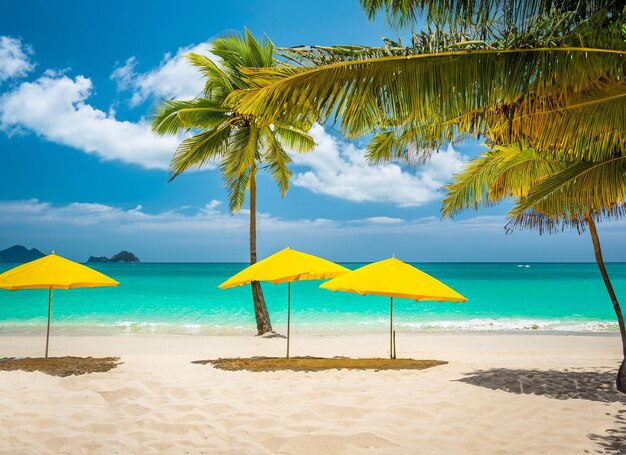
x: 221, y: 134
x: 551, y: 193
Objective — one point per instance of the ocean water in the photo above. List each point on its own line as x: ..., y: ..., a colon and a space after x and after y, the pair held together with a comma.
x: 184, y: 299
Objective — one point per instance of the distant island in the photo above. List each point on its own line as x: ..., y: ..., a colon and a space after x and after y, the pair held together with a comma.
x: 19, y: 254
x: 122, y: 256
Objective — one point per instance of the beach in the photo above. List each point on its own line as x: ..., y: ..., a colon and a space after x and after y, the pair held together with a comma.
x: 500, y: 393
x: 228, y: 234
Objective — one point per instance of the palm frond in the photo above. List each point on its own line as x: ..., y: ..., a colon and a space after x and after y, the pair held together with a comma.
x: 581, y: 188
x: 165, y: 120
x: 238, y: 51
x: 196, y: 151
x: 384, y: 147
x: 204, y: 113
x: 295, y: 139
x: 539, y: 221
x: 276, y: 158
x: 504, y: 171
x: 218, y: 83
x: 588, y: 126
x: 401, y: 13
x: 421, y: 89
x: 236, y: 187
x: 242, y: 156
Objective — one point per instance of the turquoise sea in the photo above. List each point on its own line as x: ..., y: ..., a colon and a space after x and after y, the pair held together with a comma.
x: 184, y: 299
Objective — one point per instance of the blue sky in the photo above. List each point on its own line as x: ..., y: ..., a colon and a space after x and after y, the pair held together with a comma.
x: 83, y: 175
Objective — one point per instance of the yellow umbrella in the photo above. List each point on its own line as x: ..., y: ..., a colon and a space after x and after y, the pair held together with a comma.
x: 53, y: 272
x: 393, y: 278
x: 286, y: 266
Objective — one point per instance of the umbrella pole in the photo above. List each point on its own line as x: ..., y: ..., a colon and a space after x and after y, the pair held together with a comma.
x: 49, y: 311
x: 288, y: 315
x: 391, y: 356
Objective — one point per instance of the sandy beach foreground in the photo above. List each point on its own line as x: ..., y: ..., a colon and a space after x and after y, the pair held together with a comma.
x: 483, y: 401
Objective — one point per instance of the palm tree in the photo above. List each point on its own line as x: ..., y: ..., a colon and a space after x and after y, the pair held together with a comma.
x: 221, y: 134
x: 551, y: 193
x: 545, y: 72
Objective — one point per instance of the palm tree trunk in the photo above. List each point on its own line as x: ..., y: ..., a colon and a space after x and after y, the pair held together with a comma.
x: 263, y: 323
x: 621, y: 374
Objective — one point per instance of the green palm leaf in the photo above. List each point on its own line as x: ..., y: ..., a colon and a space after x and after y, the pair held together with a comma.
x: 243, y: 153
x: 294, y: 139
x: 204, y: 114
x: 196, y: 151
x: 581, y: 188
x: 277, y: 159
x: 165, y: 120
x: 478, y: 12
x: 218, y: 83
x: 236, y: 186
x: 496, y: 175
x: 413, y: 88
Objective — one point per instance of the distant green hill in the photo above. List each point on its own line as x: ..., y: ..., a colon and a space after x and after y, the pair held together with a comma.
x: 19, y: 254
x: 122, y: 256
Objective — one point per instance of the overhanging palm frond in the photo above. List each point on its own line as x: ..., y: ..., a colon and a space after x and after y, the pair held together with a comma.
x: 581, y: 188
x: 324, y: 55
x: 502, y: 172
x: 409, y: 89
x: 588, y: 126
x: 414, y: 143
x: 542, y: 223
x: 550, y: 194
x: 478, y: 12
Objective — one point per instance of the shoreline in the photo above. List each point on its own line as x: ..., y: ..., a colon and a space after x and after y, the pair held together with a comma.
x: 351, y: 326
x: 104, y: 333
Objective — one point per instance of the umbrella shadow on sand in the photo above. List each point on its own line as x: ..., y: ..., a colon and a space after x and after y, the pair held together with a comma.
x: 596, y: 385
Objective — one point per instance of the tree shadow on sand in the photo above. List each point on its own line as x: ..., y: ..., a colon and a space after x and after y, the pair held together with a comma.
x: 615, y: 440
x: 562, y: 385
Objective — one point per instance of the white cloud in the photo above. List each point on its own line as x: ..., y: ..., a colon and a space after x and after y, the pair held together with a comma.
x: 55, y: 107
x: 384, y: 220
x: 339, y: 169
x: 210, y: 217
x: 14, y: 58
x: 175, y: 77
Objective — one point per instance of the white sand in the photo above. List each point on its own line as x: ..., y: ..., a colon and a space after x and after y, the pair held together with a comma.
x: 158, y: 402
